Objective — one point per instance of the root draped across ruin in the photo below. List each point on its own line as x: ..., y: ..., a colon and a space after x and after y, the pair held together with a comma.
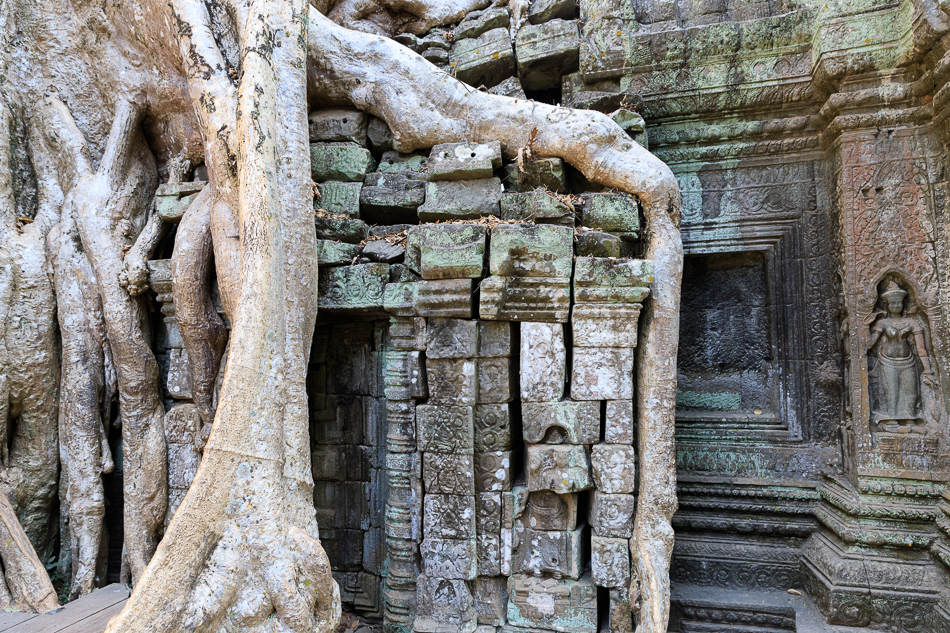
x: 230, y: 83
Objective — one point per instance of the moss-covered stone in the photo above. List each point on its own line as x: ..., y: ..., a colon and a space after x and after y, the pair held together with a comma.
x: 339, y: 161
x: 536, y: 206
x: 340, y: 197
x: 349, y: 231
x: 531, y: 250
x: 612, y: 212
x: 547, y: 51
x: 483, y: 60
x: 446, y: 251
x: 461, y: 199
x: 333, y: 253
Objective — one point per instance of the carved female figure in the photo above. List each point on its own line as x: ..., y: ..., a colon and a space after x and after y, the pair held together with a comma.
x: 900, y: 340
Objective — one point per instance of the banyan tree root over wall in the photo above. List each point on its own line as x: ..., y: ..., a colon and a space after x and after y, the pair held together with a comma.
x: 229, y: 84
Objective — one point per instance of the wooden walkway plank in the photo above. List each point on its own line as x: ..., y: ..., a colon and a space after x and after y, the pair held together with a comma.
x: 89, y: 614
x: 9, y: 619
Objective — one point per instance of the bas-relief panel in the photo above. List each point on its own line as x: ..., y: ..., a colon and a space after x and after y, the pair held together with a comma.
x: 776, y: 216
x: 894, y: 300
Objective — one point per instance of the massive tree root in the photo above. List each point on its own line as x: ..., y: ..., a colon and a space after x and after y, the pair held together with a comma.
x: 242, y: 551
x: 109, y: 206
x: 29, y: 386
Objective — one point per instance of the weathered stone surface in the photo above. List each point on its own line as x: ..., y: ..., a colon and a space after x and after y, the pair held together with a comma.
x: 418, y: 381
x: 339, y: 161
x: 602, y: 373
x: 460, y: 199
x: 618, y: 428
x: 492, y: 427
x: 340, y: 463
x: 443, y: 606
x: 619, y: 614
x: 463, y: 161
x: 436, y: 56
x: 445, y: 429
x: 559, y: 468
x: 444, y: 298
x: 488, y: 512
x: 550, y: 552
x: 594, y: 272
x: 629, y: 122
x: 379, y: 135
x: 610, y: 561
x: 543, y: 299
x: 547, y: 510
x: 453, y: 559
x: 338, y: 124
x: 452, y: 381
x: 541, y: 173
x: 399, y: 298
x: 178, y: 382
x: 611, y: 212
x: 408, y: 334
x: 446, y: 251
x: 484, y: 60
x: 383, y: 252
x: 173, y: 198
x: 605, y: 47
x: 531, y: 250
x: 542, y: 11
x: 340, y: 197
x: 492, y: 471
x: 605, y: 324
x: 349, y: 231
x: 357, y: 288
x: 597, y: 244
x: 566, y: 422
x: 514, y: 502
x: 391, y: 196
x: 478, y: 22
x: 451, y: 474
x: 510, y: 87
x: 412, y: 165
x: 536, y: 206
x: 496, y: 384
x: 614, y: 468
x: 494, y: 339
x: 564, y: 605
x: 547, y: 51
x: 488, y: 554
x: 491, y: 600
x: 449, y: 516
x: 543, y: 362
x: 451, y: 338
x: 611, y: 515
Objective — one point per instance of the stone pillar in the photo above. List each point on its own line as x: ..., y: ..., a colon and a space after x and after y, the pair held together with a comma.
x: 869, y: 565
x: 404, y: 493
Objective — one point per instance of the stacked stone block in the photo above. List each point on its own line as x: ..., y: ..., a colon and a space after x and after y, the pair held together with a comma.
x: 507, y: 386
x: 404, y: 381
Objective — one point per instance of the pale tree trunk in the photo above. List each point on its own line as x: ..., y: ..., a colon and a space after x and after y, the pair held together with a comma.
x: 84, y: 447
x: 29, y: 385
x: 109, y: 206
x: 243, y: 547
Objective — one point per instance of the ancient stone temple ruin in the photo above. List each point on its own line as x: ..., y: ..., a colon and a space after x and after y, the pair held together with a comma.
x: 471, y: 386
x: 485, y: 347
